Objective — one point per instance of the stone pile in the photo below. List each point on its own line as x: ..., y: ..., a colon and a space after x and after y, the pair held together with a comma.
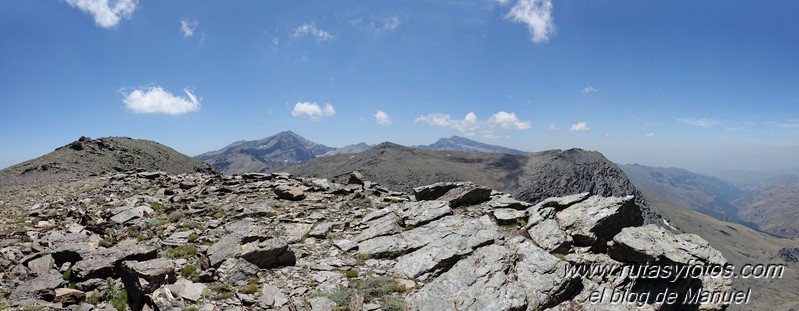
x: 153, y: 241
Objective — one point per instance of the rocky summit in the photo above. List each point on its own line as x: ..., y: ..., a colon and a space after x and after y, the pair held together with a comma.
x: 143, y: 240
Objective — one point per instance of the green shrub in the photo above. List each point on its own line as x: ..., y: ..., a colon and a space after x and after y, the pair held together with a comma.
x: 351, y: 274
x: 118, y: 297
x: 189, y: 271
x: 193, y: 237
x: 183, y: 251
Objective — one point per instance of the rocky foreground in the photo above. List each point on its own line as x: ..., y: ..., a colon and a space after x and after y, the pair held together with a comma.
x: 152, y: 241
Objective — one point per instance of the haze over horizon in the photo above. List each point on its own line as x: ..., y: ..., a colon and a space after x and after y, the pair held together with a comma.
x: 705, y: 86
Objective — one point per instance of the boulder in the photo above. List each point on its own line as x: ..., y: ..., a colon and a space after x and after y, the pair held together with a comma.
x: 144, y: 277
x: 236, y: 271
x: 419, y: 213
x: 291, y: 193
x: 268, y: 254
x: 104, y: 262
x: 548, y: 235
x: 596, y: 220
x: 271, y: 297
x: 42, y: 287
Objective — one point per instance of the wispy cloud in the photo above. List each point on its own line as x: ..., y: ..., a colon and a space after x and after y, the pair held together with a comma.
x: 311, y: 30
x: 699, y: 122
x: 552, y: 127
x: 537, y: 15
x: 650, y: 134
x: 312, y: 110
x: 580, y: 127
x: 377, y: 24
x: 508, y: 121
x: 106, y: 13
x: 157, y: 100
x: 382, y: 118
x: 187, y: 27
x: 589, y: 89
x: 789, y: 124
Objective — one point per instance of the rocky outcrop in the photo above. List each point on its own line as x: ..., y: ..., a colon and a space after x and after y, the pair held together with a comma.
x: 274, y: 241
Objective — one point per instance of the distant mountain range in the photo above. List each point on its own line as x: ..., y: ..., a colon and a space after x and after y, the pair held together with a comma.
x: 529, y: 177
x: 458, y: 143
x: 90, y: 157
x: 772, y: 207
x: 287, y: 148
x: 704, y: 194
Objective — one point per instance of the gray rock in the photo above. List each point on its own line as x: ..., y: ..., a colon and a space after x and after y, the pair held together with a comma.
x: 478, y: 282
x: 291, y: 193
x: 104, y: 263
x: 385, y: 225
x: 227, y: 247
x: 145, y: 277
x: 508, y: 216
x: 434, y: 191
x: 41, y: 265
x: 507, y: 201
x: 164, y: 299
x: 187, y: 289
x: 345, y: 245
x: 268, y: 254
x: 466, y: 195
x: 596, y: 220
x: 542, y: 275
x: 653, y: 243
x: 236, y: 271
x: 560, y: 203
x: 127, y: 213
x: 356, y: 178
x: 68, y: 296
x: 548, y: 235
x: 320, y: 229
x: 271, y: 296
x: 420, y: 213
x: 444, y: 245
x: 321, y: 304
x: 42, y: 287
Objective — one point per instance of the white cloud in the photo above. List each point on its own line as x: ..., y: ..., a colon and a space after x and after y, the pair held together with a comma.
x: 470, y: 124
x: 699, y: 122
x: 187, y: 27
x: 382, y: 118
x: 508, y: 121
x: 310, y: 29
x: 107, y: 13
x: 589, y: 89
x: 537, y: 14
x: 312, y: 110
x: 467, y: 126
x: 580, y: 127
x: 502, y: 2
x: 552, y: 127
x: 650, y: 134
x: 157, y: 100
x: 377, y: 25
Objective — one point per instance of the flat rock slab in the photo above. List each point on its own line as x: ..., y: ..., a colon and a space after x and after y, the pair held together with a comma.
x: 104, y: 262
x: 42, y: 287
x: 420, y: 213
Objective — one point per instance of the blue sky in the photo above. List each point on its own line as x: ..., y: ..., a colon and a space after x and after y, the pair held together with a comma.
x: 704, y: 85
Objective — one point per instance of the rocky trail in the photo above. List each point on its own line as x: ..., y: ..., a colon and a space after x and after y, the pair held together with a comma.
x: 152, y: 241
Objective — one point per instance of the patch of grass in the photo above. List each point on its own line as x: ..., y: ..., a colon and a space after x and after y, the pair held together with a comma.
x: 155, y: 223
x: 67, y: 275
x: 190, y: 272
x: 93, y: 299
x: 408, y: 228
x: 158, y: 208
x: 251, y: 287
x: 340, y: 296
x: 190, y: 309
x: 183, y: 251
x: 270, y: 214
x: 193, y: 237
x: 351, y: 274
x: 111, y: 241
x: 375, y: 288
x: 393, y: 304
x: 221, y: 291
x: 175, y: 217
x: 26, y: 239
x: 118, y: 297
